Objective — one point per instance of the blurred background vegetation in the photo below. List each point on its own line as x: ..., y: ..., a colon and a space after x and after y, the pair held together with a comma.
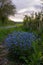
x: 30, y: 24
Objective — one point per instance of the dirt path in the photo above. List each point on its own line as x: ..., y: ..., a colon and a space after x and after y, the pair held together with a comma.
x: 6, y: 27
x: 3, y: 60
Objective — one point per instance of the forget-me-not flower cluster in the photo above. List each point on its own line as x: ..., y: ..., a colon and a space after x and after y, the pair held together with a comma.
x: 21, y: 39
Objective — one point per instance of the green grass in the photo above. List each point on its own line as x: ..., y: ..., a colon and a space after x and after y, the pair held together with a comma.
x: 7, y: 23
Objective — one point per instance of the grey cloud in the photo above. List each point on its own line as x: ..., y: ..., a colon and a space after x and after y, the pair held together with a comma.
x: 37, y: 6
x: 22, y: 3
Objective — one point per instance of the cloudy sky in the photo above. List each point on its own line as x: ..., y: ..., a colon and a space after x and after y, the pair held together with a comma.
x: 25, y: 7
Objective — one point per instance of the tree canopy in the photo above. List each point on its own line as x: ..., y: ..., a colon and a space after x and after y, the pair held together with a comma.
x: 6, y: 8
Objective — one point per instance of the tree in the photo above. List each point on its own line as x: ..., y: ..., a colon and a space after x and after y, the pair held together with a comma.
x: 42, y: 13
x: 6, y: 8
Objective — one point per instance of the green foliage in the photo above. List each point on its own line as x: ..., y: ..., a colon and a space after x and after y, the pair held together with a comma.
x: 6, y: 9
x: 37, y: 55
x: 33, y: 23
x: 36, y: 25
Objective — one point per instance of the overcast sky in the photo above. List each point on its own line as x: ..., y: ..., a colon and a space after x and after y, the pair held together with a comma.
x: 25, y: 7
